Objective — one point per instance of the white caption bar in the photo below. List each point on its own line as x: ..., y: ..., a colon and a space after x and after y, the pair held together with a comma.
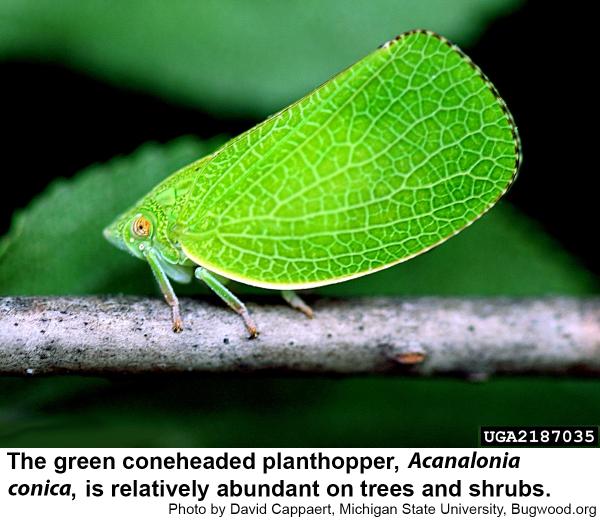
x: 291, y: 484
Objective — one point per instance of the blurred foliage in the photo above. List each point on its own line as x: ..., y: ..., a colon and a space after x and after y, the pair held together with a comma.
x: 226, y: 56
x: 194, y: 411
x: 56, y: 245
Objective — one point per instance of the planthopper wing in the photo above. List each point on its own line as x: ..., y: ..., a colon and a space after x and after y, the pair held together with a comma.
x: 386, y: 160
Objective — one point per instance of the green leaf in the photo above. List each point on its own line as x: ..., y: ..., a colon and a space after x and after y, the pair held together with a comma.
x: 225, y: 55
x: 56, y: 246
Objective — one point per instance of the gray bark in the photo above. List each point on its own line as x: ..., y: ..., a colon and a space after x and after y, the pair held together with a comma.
x: 425, y: 336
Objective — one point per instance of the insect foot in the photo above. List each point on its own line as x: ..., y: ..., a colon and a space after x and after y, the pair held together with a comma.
x: 250, y: 324
x: 296, y: 302
x: 231, y: 300
x: 178, y: 325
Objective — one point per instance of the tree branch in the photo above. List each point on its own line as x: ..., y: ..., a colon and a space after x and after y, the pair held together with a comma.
x: 475, y: 337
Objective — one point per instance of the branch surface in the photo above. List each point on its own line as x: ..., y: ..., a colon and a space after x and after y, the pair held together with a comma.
x: 425, y: 336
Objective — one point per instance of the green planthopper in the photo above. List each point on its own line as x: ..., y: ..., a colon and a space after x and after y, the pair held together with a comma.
x: 388, y: 159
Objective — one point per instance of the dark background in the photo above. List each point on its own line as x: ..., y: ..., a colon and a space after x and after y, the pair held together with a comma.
x: 57, y: 121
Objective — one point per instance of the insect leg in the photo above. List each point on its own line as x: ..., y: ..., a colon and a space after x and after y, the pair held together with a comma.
x: 295, y: 301
x: 231, y: 300
x: 166, y: 289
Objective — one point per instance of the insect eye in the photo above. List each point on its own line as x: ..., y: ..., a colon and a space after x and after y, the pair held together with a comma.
x: 141, y: 227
